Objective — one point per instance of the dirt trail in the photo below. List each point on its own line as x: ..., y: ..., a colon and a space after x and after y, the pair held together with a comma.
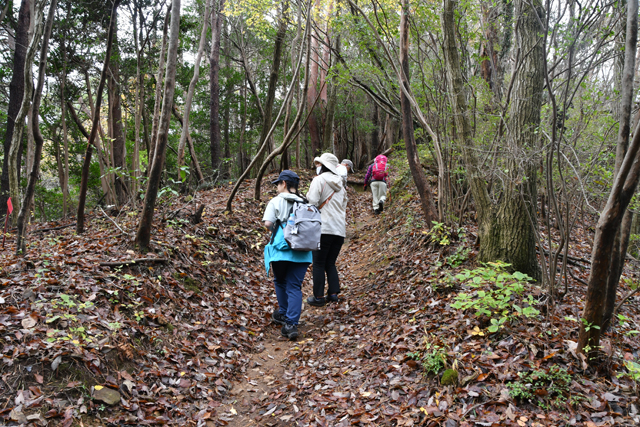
x: 251, y: 401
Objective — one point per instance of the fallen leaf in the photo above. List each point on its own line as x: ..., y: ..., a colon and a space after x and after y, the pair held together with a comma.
x: 28, y: 322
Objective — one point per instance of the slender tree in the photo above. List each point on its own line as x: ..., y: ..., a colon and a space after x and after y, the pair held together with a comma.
x: 84, y: 180
x: 158, y: 94
x: 39, y: 140
x: 608, y: 227
x: 192, y: 87
x: 424, y: 189
x: 16, y: 91
x: 618, y: 254
x: 214, y: 86
x: 16, y: 141
x: 143, y: 237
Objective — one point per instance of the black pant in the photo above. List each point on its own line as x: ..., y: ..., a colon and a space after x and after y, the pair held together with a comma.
x: 324, y: 260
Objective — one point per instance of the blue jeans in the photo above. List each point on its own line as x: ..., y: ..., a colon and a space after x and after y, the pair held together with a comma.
x: 288, y: 277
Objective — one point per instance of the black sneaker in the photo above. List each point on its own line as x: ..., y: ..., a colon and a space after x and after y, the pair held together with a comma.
x: 380, y: 206
x: 289, y: 331
x: 278, y: 318
x: 376, y: 212
x: 316, y: 302
x: 333, y: 298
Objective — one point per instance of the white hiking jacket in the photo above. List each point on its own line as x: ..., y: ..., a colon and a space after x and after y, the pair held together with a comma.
x: 334, y: 211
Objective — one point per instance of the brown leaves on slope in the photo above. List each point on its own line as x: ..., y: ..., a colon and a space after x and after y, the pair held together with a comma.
x: 167, y: 337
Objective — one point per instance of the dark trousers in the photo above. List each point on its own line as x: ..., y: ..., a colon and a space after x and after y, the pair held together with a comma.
x: 324, y: 261
x: 288, y: 277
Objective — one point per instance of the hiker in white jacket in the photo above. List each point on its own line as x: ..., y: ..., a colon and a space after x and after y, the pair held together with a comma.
x: 327, y: 191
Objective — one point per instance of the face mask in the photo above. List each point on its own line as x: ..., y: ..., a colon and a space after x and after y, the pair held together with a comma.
x: 318, y: 170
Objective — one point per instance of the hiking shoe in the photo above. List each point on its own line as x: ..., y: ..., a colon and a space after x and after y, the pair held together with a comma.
x: 316, y: 302
x: 376, y: 212
x: 380, y: 206
x: 289, y: 331
x: 278, y: 318
x: 333, y: 298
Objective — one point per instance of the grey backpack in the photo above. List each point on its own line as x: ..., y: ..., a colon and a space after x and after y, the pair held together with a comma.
x: 304, y: 228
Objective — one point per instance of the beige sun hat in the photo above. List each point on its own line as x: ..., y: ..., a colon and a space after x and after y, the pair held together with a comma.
x: 330, y: 161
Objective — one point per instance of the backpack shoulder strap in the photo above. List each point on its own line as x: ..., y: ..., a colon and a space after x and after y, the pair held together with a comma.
x: 328, y: 198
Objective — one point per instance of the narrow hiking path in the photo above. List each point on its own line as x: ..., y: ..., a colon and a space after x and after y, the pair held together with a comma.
x: 354, y: 363
x: 189, y: 342
x: 257, y: 399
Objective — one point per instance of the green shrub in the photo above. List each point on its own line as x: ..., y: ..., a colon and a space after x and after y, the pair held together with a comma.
x: 544, y: 388
x: 493, y: 298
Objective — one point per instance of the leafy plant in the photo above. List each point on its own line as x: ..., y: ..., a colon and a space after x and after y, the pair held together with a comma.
x: 633, y: 369
x: 544, y: 388
x: 495, y: 290
x: 433, y: 357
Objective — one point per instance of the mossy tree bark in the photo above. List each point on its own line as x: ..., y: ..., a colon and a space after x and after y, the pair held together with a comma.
x: 506, y: 229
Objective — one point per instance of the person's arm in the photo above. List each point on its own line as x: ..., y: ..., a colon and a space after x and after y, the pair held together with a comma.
x: 315, y: 192
x: 270, y: 215
x: 367, y: 177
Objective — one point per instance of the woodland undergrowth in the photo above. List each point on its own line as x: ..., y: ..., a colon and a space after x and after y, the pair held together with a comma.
x: 85, y: 334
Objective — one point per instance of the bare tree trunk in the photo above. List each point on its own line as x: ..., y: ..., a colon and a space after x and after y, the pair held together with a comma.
x: 621, y: 241
x: 143, y: 237
x: 295, y: 126
x: 16, y: 141
x: 37, y: 96
x: 424, y: 189
x: 64, y: 160
x: 104, y: 182
x: 264, y: 139
x: 139, y: 110
x: 327, y: 134
x: 226, y: 171
x: 312, y: 93
x: 375, y: 130
x: 214, y: 86
x: 95, y: 123
x: 510, y: 235
x: 16, y: 92
x: 273, y: 85
x: 194, y: 160
x: 457, y: 95
x: 63, y: 118
x: 192, y: 87
x: 115, y: 119
x: 158, y: 95
x: 242, y: 157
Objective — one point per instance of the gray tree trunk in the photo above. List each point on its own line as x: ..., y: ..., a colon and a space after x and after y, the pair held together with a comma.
x: 143, y: 236
x: 16, y: 91
x: 214, y: 87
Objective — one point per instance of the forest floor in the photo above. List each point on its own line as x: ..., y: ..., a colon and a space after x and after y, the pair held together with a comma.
x: 183, y: 336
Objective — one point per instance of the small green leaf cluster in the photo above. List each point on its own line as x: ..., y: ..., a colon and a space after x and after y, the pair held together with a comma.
x: 495, y: 290
x: 633, y: 370
x: 544, y: 388
x: 68, y: 309
x: 433, y: 357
